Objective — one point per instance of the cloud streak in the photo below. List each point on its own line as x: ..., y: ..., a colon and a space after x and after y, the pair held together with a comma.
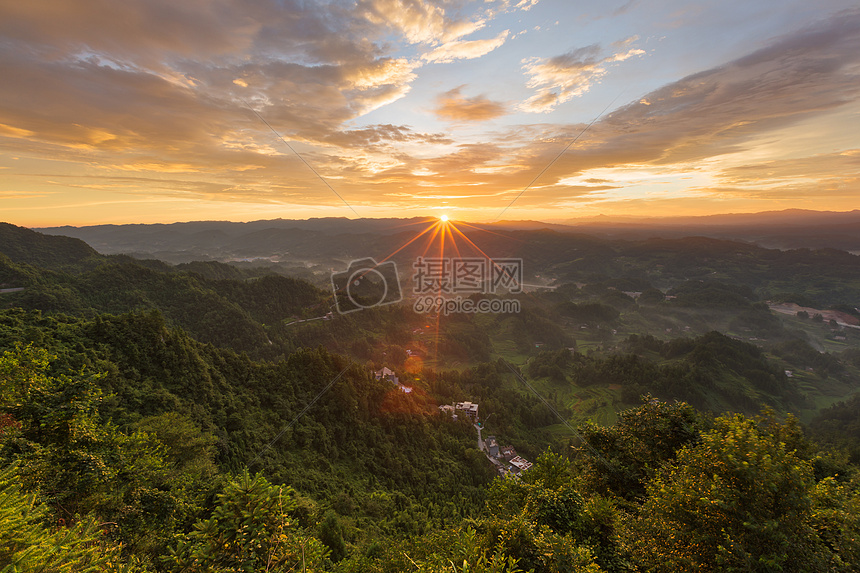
x: 561, y: 78
x: 465, y: 49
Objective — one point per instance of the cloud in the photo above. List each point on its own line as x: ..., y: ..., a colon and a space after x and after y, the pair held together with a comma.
x: 525, y: 5
x: 453, y: 106
x: 380, y: 72
x: 816, y: 177
x: 465, y: 49
x: 816, y: 167
x: 810, y: 73
x: 379, y: 134
x: 12, y: 131
x: 154, y: 87
x: 562, y: 78
x: 181, y: 112
x: 134, y: 30
x: 713, y: 120
x: 624, y: 8
x: 419, y: 21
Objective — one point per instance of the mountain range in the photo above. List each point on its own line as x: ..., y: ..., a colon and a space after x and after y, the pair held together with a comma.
x: 335, y: 236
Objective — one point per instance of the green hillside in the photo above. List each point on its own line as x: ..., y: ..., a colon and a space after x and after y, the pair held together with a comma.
x: 190, y: 418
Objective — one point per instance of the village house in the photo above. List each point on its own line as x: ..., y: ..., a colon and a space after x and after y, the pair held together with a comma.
x: 386, y: 374
x: 520, y: 464
x: 468, y: 408
x: 447, y: 409
x: 507, y: 453
x: 492, y: 446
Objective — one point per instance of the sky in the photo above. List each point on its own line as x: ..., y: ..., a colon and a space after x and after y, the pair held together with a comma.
x: 146, y: 111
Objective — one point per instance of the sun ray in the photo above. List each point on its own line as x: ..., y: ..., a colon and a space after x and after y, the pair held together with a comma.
x: 452, y: 240
x: 489, y: 258
x: 412, y: 240
x: 468, y: 240
x: 437, y: 228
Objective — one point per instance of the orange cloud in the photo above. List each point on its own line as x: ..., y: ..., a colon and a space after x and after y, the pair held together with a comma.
x: 453, y: 106
x: 150, y: 88
x: 419, y: 21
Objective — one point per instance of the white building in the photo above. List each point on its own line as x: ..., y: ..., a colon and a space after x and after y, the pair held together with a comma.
x: 468, y: 408
x: 521, y: 464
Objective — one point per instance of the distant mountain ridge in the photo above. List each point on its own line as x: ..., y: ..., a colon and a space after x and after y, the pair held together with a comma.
x: 784, y: 217
x: 223, y: 240
x: 212, y: 301
x: 788, y: 229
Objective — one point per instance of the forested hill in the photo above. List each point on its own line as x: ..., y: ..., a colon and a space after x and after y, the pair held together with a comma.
x: 213, y: 301
x: 47, y: 251
x: 826, y: 276
x: 125, y: 445
x: 182, y: 419
x: 161, y: 419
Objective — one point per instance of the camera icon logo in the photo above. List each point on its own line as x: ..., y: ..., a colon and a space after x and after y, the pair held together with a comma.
x: 365, y: 284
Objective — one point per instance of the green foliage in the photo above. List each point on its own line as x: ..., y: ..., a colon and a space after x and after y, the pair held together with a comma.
x: 331, y: 535
x: 461, y: 551
x: 712, y: 372
x: 739, y: 500
x: 543, y: 520
x: 250, y: 530
x: 800, y: 354
x: 531, y: 326
x: 236, y: 312
x: 836, y: 520
x: 134, y: 421
x: 187, y: 449
x: 620, y: 460
x: 144, y: 445
x: 465, y: 341
x: 27, y: 545
x: 83, y: 464
x: 214, y: 270
x: 54, y: 252
x: 551, y: 364
x: 651, y: 296
x: 713, y: 294
x: 839, y: 426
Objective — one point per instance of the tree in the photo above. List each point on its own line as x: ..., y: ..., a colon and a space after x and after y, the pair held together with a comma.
x: 83, y: 465
x: 836, y: 518
x: 249, y: 530
x: 331, y: 534
x: 737, y: 501
x: 651, y: 296
x: 618, y: 461
x: 462, y: 551
x: 27, y: 545
x: 542, y: 520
